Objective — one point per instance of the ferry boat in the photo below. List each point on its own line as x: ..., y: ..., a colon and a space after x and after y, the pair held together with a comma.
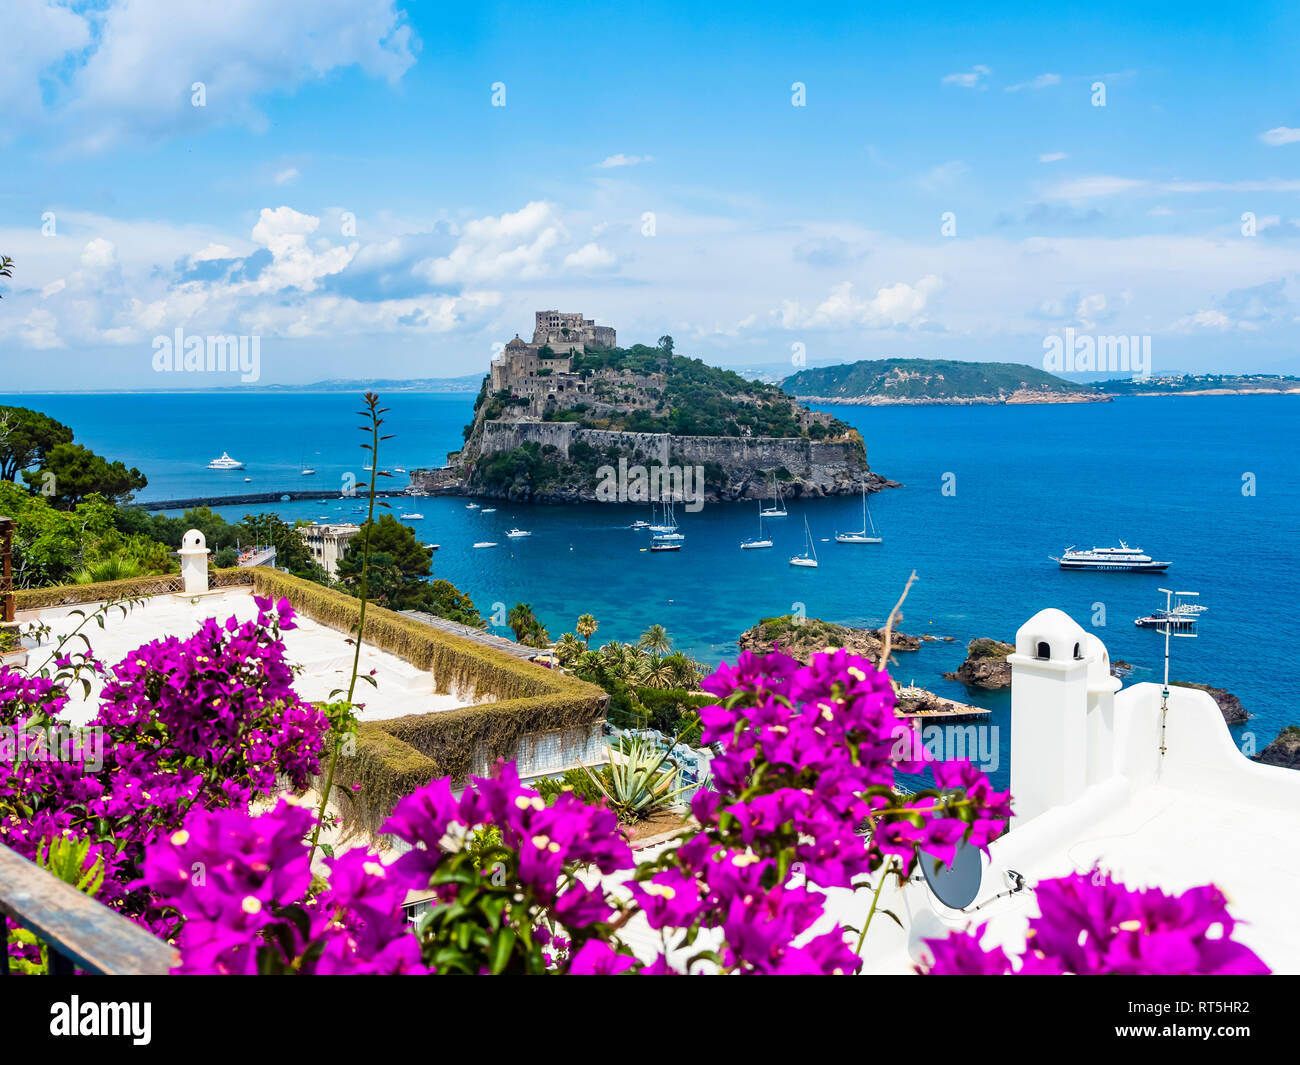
x: 413, y: 516
x: 225, y: 463
x: 861, y: 537
x: 809, y: 556
x: 1110, y: 558
x: 516, y: 534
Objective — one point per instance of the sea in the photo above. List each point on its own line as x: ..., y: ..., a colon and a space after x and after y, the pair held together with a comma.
x: 988, y: 494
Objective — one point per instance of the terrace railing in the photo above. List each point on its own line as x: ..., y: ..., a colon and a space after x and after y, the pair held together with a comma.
x: 78, y: 932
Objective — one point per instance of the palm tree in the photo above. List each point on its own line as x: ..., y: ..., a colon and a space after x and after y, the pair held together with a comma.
x: 686, y: 671
x: 568, y: 649
x: 587, y: 626
x: 527, y: 629
x: 659, y: 672
x: 590, y: 666
x: 656, y: 640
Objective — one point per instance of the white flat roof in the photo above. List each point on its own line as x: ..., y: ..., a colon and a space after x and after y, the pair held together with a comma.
x: 324, y: 652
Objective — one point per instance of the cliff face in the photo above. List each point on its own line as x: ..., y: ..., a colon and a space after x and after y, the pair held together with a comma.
x: 735, y: 467
x: 806, y: 637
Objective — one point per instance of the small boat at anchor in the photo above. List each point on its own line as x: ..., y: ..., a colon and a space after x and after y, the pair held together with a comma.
x: 861, y: 537
x: 809, y: 557
x: 762, y: 540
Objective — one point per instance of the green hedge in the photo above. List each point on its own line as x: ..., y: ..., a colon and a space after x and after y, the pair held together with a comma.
x: 134, y: 587
x: 397, y: 755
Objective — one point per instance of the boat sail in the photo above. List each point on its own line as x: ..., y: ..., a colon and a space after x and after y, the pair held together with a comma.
x: 809, y: 556
x: 777, y: 509
x: 861, y: 537
x: 761, y: 540
x: 659, y: 528
x: 670, y: 530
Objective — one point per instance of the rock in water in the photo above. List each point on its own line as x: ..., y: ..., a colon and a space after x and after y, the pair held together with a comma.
x: 1283, y: 751
x: 986, y: 665
x: 1233, y: 712
x: 802, y: 638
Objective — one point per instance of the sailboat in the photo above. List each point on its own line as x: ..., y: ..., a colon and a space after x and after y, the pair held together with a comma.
x: 307, y: 471
x: 670, y: 530
x: 777, y: 509
x: 861, y: 537
x: 809, y: 556
x: 660, y: 528
x: 761, y: 540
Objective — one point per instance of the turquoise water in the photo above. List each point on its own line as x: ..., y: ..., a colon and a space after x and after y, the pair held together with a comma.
x: 1165, y: 474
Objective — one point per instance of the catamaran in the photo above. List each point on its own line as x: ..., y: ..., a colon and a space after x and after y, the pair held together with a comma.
x: 861, y: 537
x: 761, y: 540
x: 809, y: 556
x: 777, y: 509
x: 225, y: 463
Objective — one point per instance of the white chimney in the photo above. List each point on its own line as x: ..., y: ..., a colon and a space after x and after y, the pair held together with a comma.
x: 1049, y: 714
x: 194, y: 562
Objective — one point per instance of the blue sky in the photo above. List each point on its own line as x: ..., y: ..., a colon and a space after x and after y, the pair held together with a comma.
x: 130, y: 212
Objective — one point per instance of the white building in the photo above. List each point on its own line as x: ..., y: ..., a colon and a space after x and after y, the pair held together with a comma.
x: 328, y: 543
x: 1101, y: 777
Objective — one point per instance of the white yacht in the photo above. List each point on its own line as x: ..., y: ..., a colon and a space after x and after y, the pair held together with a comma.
x: 669, y: 531
x: 486, y: 543
x: 471, y: 506
x: 489, y: 510
x: 415, y: 515
x: 809, y: 556
x: 516, y: 534
x: 1110, y: 558
x: 225, y: 463
x: 861, y: 537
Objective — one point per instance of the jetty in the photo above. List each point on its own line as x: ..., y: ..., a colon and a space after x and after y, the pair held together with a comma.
x: 914, y: 702
x: 258, y: 497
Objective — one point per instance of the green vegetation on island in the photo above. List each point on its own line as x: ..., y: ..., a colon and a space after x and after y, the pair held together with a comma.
x: 930, y: 380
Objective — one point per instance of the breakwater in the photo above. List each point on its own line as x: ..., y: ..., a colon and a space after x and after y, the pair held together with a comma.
x: 257, y: 497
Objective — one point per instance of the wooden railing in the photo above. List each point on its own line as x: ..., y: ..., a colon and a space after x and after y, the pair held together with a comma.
x: 80, y: 934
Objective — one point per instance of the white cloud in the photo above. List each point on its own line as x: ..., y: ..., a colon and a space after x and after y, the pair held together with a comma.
x: 590, y: 257
x: 1280, y: 135
x: 38, y: 34
x: 624, y: 160
x: 53, y: 288
x: 525, y: 245
x: 212, y: 251
x: 892, y: 305
x: 1207, y: 319
x: 1052, y: 157
x: 98, y: 254
x: 287, y: 175
x: 1043, y: 81
x: 972, y: 79
x: 1109, y: 185
x: 145, y: 55
x: 284, y: 232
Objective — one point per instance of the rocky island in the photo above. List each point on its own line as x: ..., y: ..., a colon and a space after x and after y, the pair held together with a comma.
x: 557, y: 414
x: 802, y: 638
x: 986, y: 665
x: 878, y: 382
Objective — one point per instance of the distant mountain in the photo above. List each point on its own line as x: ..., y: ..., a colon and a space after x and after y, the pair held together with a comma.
x: 468, y: 383
x: 1205, y: 384
x: 884, y: 381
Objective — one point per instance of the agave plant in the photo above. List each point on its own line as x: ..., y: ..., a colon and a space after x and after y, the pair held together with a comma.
x: 638, y: 782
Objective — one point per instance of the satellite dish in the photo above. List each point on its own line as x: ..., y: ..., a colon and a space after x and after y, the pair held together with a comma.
x: 957, y: 884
